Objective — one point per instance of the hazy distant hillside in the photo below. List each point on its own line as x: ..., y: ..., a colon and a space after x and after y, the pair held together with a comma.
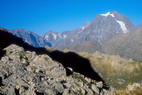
x: 115, y: 70
x: 90, y: 46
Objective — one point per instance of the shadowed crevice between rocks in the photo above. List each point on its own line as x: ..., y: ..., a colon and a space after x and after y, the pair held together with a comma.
x: 1, y: 84
x: 69, y: 59
x: 16, y: 91
x: 39, y: 93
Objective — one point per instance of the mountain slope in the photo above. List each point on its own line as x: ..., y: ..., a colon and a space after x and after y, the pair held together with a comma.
x: 90, y: 46
x: 128, y: 45
x: 139, y: 26
x: 115, y: 70
x: 103, y: 27
x: 31, y: 38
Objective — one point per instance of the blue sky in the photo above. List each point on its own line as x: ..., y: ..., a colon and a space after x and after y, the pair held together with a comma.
x: 41, y: 16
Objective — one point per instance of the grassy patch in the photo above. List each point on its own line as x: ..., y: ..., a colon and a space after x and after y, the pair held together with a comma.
x: 22, y: 53
x: 117, y: 72
x: 33, y: 68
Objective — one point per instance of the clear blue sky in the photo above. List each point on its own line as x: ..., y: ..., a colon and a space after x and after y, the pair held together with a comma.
x: 59, y: 15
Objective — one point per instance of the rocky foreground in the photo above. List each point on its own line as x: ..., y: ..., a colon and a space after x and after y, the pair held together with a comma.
x: 26, y: 73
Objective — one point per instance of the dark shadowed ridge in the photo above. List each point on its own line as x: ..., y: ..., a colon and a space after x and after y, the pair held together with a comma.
x: 70, y: 59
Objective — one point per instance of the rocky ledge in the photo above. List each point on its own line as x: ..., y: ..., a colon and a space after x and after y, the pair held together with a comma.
x: 26, y: 73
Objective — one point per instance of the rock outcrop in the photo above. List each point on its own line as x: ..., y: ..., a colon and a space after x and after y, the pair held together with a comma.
x: 26, y: 73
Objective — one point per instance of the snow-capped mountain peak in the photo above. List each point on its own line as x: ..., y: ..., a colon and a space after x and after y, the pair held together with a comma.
x: 108, y: 14
x: 51, y: 34
x: 121, y: 23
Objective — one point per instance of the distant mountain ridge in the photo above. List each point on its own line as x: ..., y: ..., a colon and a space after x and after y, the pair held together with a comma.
x: 31, y: 38
x: 101, y: 28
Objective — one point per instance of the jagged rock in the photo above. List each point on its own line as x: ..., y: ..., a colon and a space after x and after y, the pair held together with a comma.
x: 59, y: 87
x: 90, y: 92
x: 95, y: 88
x: 99, y: 84
x: 87, y: 79
x: 66, y: 92
x: 11, y: 91
x: 27, y: 73
x: 31, y: 92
